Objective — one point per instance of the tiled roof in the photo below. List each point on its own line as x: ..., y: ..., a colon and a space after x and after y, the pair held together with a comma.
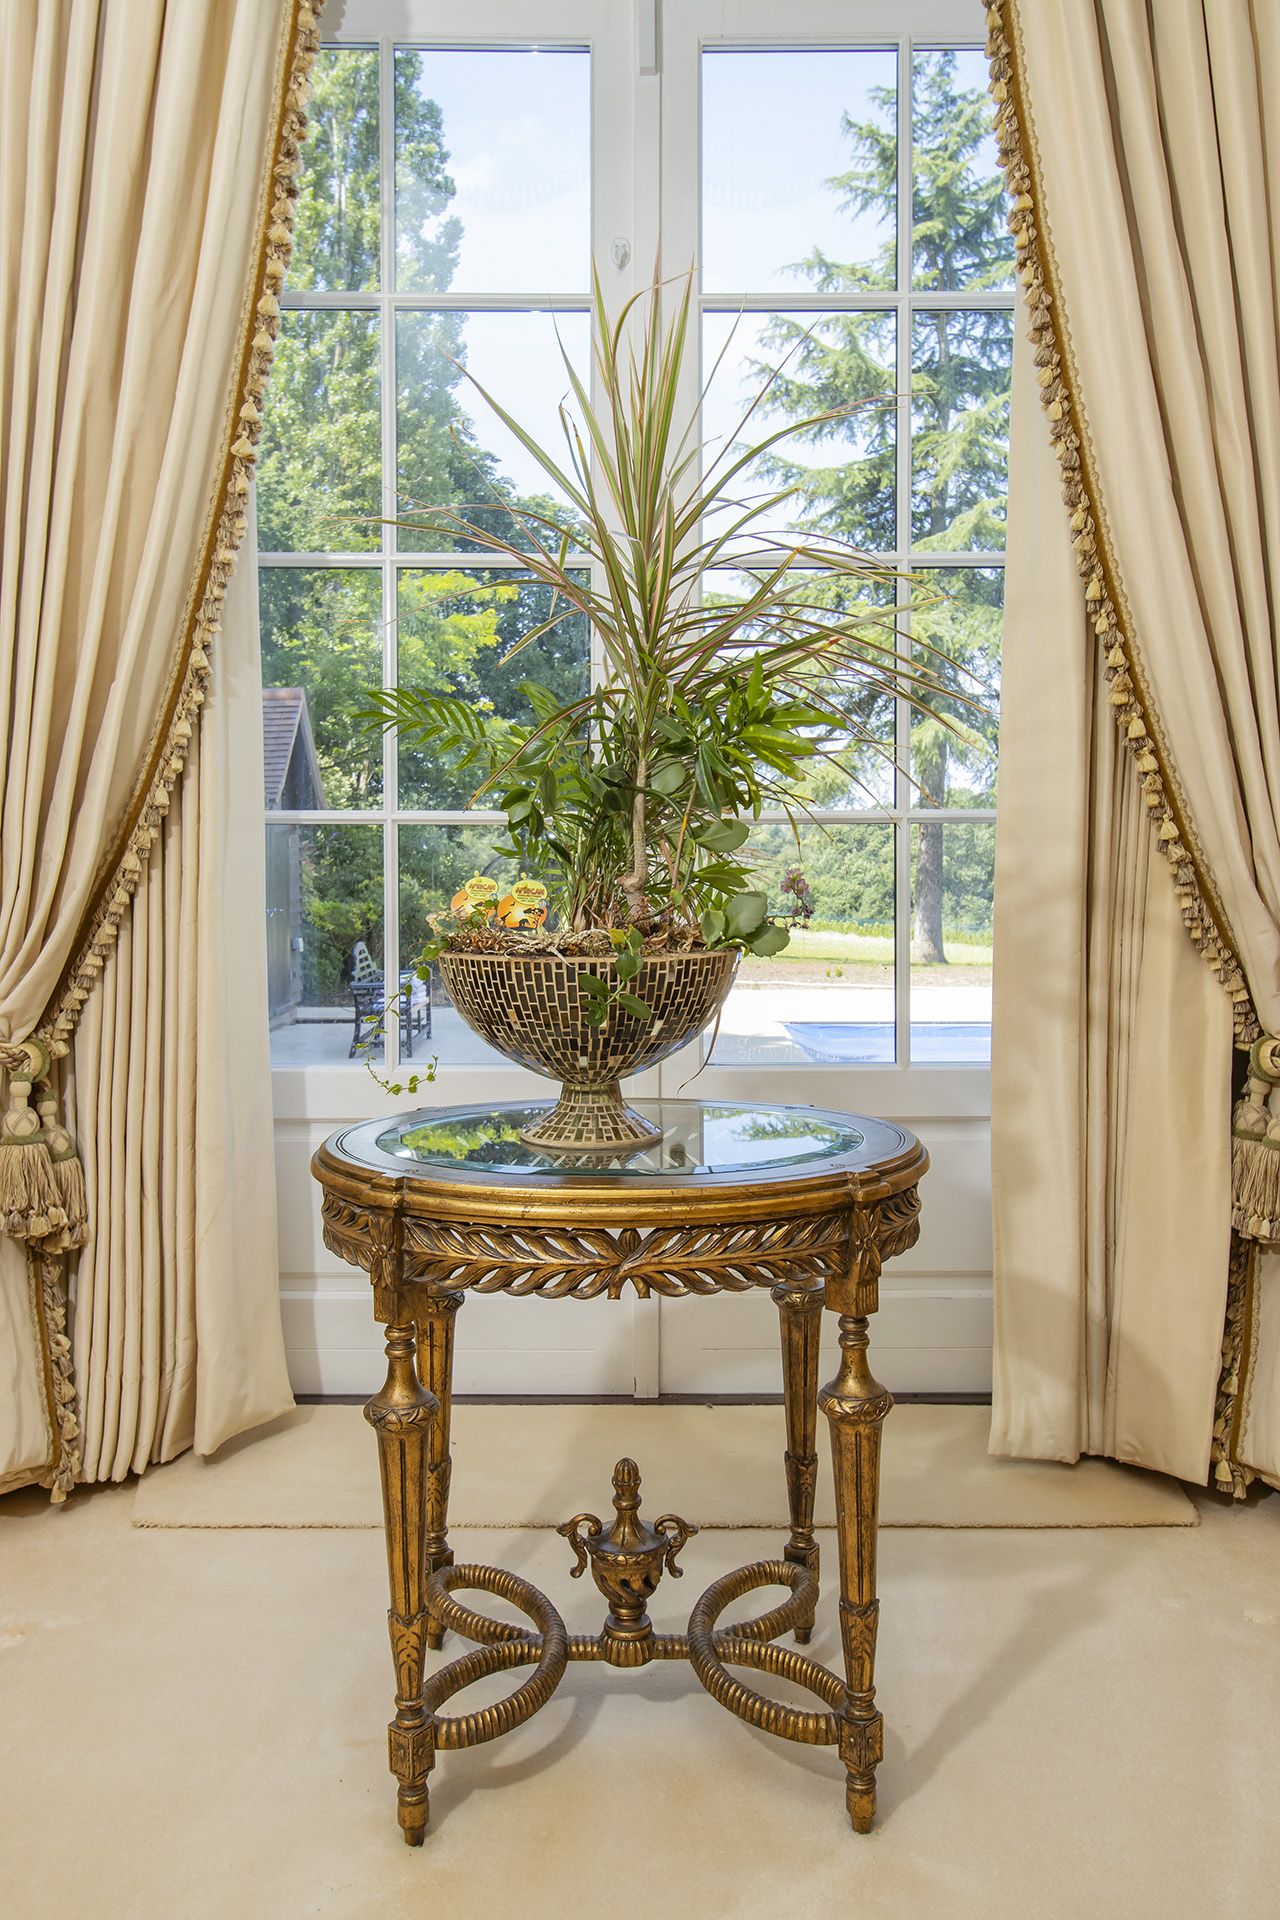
x: 286, y: 732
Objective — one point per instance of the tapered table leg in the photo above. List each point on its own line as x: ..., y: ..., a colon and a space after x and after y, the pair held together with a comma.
x: 402, y: 1414
x: 435, y: 1366
x: 800, y: 1320
x: 855, y: 1403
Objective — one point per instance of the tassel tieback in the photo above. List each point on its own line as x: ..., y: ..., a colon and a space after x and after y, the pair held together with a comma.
x: 1255, y: 1147
x: 42, y: 1191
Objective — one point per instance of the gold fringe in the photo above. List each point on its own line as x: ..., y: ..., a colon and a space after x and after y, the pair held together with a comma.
x: 48, y: 1275
x: 1229, y: 1474
x: 1202, y: 912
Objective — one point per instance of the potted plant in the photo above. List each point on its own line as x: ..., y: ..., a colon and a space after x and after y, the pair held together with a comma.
x: 627, y: 804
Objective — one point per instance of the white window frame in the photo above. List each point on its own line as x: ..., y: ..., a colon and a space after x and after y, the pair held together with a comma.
x: 645, y: 136
x: 646, y: 150
x: 607, y: 33
x: 903, y: 1090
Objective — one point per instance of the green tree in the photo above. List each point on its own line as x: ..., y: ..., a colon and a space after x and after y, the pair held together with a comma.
x: 320, y: 489
x: 959, y: 384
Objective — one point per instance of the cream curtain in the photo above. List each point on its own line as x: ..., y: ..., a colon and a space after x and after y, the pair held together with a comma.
x: 1111, y: 1069
x: 1142, y: 145
x: 177, y: 1324
x: 147, y: 151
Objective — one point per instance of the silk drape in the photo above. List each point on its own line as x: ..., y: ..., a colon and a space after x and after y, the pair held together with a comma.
x: 177, y: 1338
x: 1111, y: 1055
x: 147, y: 152
x: 1142, y: 147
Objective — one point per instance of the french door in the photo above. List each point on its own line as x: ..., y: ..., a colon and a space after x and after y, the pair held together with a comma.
x: 827, y: 175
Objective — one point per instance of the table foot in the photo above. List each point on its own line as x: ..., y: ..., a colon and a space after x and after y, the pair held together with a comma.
x: 809, y: 1558
x: 860, y: 1798
x: 413, y: 1810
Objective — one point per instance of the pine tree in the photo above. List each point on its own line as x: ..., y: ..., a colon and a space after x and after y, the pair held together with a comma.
x: 959, y: 383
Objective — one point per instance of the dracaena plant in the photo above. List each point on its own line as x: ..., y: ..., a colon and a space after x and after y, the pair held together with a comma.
x: 632, y: 802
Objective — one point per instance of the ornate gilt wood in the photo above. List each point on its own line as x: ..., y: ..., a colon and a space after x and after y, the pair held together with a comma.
x: 816, y: 1237
x: 627, y: 1561
x: 800, y: 1318
x: 435, y: 1367
x: 856, y: 1405
x: 400, y: 1413
x: 561, y: 1262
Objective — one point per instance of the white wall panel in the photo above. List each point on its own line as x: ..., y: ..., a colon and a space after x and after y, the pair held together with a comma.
x: 502, y: 1346
x: 930, y: 1336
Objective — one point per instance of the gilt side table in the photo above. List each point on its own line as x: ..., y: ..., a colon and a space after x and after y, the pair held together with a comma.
x: 442, y: 1203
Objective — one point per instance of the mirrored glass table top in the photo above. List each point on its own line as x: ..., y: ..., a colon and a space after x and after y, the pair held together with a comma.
x: 701, y: 1139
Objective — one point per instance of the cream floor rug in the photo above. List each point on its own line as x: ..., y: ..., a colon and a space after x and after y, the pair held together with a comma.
x: 534, y: 1466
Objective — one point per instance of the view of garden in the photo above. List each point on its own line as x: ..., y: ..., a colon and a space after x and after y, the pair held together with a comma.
x: 923, y: 483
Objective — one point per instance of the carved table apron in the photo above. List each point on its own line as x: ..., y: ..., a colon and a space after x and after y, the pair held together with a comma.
x: 442, y: 1203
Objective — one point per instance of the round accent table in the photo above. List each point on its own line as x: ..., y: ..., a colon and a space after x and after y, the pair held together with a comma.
x: 446, y: 1202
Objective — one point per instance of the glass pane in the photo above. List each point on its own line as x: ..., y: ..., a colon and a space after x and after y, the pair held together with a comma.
x: 324, y: 942
x: 960, y: 371
x: 799, y: 170
x: 952, y: 884
x: 434, y: 863
x: 843, y: 469
x: 960, y: 238
x: 454, y: 451
x: 321, y: 654
x: 957, y: 634
x: 336, y: 222
x: 493, y: 171
x: 319, y: 466
x: 828, y: 997
x: 857, y: 768
x: 455, y: 630
x: 698, y: 1137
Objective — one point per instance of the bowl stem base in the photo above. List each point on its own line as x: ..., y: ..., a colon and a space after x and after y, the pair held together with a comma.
x: 591, y: 1120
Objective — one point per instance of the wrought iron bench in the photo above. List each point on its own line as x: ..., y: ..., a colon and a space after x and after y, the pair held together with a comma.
x: 368, y: 991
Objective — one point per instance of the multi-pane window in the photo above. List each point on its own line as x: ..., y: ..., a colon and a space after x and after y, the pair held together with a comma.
x: 443, y: 245
x: 854, y: 254
x: 849, y: 239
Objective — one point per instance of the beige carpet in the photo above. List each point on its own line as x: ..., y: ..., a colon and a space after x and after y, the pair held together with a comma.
x: 533, y: 1466
x: 1076, y: 1722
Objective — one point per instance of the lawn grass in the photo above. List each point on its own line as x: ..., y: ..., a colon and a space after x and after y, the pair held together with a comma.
x: 863, y: 949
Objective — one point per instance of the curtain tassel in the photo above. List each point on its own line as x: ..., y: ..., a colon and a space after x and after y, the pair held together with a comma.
x: 1255, y: 1147
x: 68, y: 1176
x: 31, y: 1206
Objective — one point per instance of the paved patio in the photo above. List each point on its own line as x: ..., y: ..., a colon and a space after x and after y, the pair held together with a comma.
x: 760, y: 1026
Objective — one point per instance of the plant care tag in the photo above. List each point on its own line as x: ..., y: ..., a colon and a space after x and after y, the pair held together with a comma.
x: 479, y: 895
x: 525, y: 905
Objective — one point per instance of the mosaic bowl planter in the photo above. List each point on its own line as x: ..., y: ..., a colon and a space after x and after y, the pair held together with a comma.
x: 529, y: 1007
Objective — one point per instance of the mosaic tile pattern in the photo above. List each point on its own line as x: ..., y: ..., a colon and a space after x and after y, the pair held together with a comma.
x: 529, y: 1008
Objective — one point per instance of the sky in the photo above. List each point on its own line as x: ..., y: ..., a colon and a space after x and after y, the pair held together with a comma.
x: 517, y: 126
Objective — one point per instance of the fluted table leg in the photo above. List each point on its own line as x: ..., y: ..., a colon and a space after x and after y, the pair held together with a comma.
x: 800, y: 1320
x: 402, y: 1414
x: 435, y: 1366
x: 855, y: 1403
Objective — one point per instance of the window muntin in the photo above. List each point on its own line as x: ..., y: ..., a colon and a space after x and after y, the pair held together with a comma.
x: 443, y: 237
x: 870, y: 283
x: 903, y: 340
